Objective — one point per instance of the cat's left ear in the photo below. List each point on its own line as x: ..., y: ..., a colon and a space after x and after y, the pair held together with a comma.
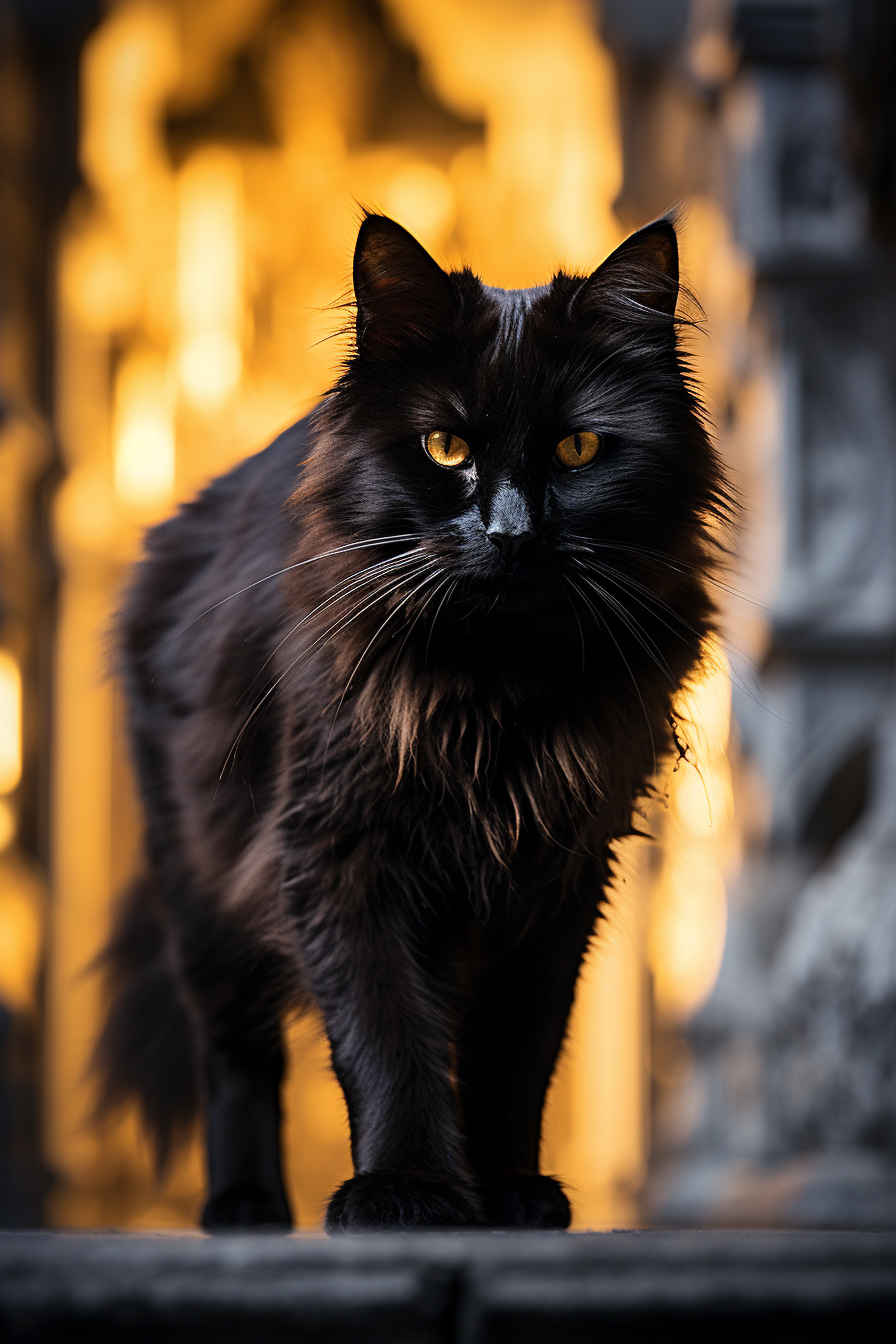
x: 403, y: 296
x: 643, y: 269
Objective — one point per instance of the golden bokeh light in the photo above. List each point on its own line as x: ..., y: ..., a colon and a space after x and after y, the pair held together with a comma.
x: 209, y: 365
x: 101, y: 285
x: 688, y: 911
x: 421, y: 195
x: 539, y: 191
x: 209, y: 277
x: 20, y: 937
x: 144, y: 432
x: 129, y: 67
x: 10, y: 722
x: 7, y: 824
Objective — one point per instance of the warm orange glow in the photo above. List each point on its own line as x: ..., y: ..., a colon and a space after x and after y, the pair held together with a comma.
x: 604, y: 1156
x: 20, y: 935
x: 100, y: 285
x: 686, y: 933
x: 209, y: 277
x: 540, y: 190
x: 7, y: 824
x: 144, y: 432
x: 10, y: 722
x: 130, y: 65
x: 421, y: 195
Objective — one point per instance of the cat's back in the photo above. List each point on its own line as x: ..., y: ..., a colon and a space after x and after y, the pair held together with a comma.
x: 206, y: 570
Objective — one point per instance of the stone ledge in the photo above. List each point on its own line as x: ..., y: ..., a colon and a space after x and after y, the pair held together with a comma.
x: 474, y: 1288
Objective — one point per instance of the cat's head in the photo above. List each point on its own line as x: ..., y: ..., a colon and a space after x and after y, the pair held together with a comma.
x: 542, y: 448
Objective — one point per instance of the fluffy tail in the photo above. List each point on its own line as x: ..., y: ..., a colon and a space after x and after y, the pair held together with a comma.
x: 147, y: 1049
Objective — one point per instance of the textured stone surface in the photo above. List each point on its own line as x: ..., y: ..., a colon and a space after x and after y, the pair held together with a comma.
x: 466, y: 1287
x: 788, y: 1113
x: 832, y: 1035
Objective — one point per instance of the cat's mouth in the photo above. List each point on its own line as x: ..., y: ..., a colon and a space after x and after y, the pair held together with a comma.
x: 519, y: 585
x: 512, y: 598
x: 486, y: 581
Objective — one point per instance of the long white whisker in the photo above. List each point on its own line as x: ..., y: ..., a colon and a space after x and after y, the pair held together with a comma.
x: 403, y: 603
x: 634, y: 628
x: 606, y: 626
x: 335, y: 628
x: 337, y: 550
x: 423, y: 607
x: 345, y: 588
x: 365, y: 605
x: 627, y: 582
x: 630, y: 584
x: 578, y: 622
x: 677, y: 566
x: 436, y: 617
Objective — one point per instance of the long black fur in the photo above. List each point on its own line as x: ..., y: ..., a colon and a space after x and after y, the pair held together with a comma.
x: 388, y: 719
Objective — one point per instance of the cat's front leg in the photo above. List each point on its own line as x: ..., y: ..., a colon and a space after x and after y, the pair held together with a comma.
x: 389, y: 1035
x: 508, y: 1045
x: 237, y: 991
x: 243, y: 1141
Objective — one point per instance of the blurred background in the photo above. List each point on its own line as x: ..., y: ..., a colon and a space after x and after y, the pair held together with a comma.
x: 179, y: 193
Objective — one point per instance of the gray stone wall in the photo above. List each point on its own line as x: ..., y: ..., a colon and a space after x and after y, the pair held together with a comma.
x: 786, y: 1109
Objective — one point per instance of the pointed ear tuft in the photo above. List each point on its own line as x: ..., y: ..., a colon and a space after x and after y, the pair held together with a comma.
x: 643, y: 269
x: 403, y: 296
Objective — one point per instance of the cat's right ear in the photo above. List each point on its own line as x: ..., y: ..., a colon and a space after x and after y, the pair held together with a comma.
x: 643, y: 272
x: 403, y: 296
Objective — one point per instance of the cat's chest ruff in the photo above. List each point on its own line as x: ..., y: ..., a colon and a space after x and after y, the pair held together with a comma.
x: 504, y: 761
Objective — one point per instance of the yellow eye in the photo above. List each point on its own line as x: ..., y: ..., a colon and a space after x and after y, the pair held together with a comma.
x: 446, y: 449
x: 577, y: 450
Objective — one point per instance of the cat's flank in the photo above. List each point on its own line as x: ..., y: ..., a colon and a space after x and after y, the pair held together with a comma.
x: 395, y: 686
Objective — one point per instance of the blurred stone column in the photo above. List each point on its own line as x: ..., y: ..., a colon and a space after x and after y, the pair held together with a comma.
x: 792, y: 1102
x: 40, y: 42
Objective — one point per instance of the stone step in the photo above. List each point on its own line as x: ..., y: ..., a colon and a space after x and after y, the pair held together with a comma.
x: 473, y: 1288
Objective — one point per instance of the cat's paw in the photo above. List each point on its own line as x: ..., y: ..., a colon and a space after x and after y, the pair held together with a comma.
x: 246, y: 1206
x: 518, y: 1199
x: 402, y: 1201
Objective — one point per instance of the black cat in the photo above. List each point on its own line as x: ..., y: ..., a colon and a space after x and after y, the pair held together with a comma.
x: 395, y: 686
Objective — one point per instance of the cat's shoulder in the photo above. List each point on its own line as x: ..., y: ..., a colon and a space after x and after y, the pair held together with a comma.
x: 234, y: 530
x: 249, y: 498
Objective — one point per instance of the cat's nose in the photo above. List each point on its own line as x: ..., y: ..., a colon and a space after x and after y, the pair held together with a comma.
x: 510, y: 523
x: 509, y: 543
